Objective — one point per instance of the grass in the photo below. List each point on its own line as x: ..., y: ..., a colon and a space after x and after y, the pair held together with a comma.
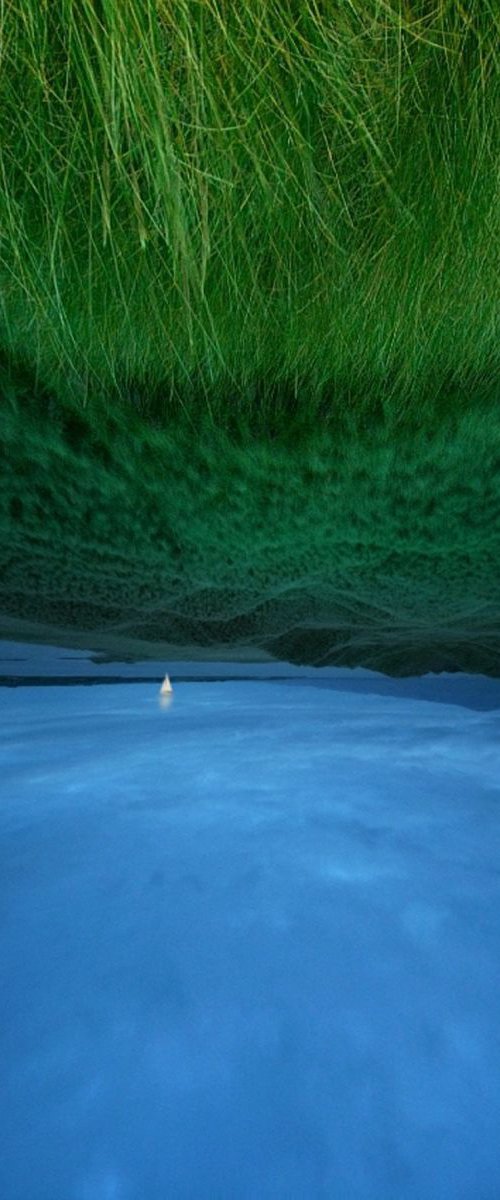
x: 228, y: 205
x: 249, y: 327
x: 375, y: 550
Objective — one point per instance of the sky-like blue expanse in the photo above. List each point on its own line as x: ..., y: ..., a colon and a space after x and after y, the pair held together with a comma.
x: 250, y: 941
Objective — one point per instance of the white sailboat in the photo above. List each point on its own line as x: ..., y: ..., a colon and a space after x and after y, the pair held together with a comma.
x: 166, y: 692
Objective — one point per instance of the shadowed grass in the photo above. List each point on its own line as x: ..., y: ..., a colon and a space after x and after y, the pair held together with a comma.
x: 340, y: 547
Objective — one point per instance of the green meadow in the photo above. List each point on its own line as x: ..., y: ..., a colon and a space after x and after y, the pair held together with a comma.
x: 249, y: 329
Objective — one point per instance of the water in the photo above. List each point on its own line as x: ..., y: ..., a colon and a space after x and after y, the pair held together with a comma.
x: 250, y: 941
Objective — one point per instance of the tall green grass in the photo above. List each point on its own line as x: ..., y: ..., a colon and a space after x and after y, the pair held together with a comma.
x: 252, y: 206
x: 276, y: 217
